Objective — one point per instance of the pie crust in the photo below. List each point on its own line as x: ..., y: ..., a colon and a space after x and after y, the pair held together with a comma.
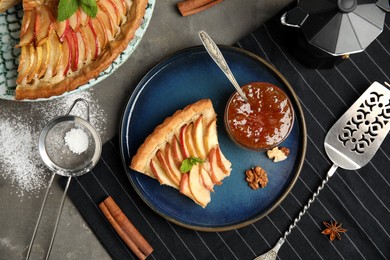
x: 6, y: 4
x: 84, y: 62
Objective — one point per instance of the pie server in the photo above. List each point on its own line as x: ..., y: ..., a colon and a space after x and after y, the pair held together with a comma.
x: 351, y: 142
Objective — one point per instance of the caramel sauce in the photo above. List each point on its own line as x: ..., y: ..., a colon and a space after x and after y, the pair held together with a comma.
x: 262, y: 123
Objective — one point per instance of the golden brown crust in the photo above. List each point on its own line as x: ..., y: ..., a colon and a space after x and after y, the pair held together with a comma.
x: 165, y: 131
x: 109, y: 54
x: 6, y: 4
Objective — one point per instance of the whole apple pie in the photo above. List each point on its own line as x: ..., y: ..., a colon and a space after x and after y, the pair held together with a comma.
x: 183, y: 152
x: 59, y: 56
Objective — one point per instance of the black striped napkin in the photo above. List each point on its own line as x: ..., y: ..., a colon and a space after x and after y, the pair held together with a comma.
x: 358, y: 199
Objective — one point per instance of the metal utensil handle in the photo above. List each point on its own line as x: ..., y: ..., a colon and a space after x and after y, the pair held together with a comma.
x: 39, y: 216
x: 273, y: 253
x: 75, y: 102
x: 311, y: 200
x: 217, y: 56
x: 58, y: 218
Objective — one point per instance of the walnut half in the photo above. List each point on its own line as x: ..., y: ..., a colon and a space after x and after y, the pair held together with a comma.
x: 256, y: 178
x: 278, y: 154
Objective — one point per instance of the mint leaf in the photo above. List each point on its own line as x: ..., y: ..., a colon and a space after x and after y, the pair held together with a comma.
x: 90, y: 7
x: 195, y: 160
x: 88, y: 2
x: 187, y: 164
x: 66, y: 8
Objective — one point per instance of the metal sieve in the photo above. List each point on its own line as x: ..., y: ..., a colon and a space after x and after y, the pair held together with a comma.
x: 56, y: 154
x: 59, y: 158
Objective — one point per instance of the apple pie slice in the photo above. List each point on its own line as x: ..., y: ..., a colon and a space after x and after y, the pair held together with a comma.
x: 189, y: 134
x: 60, y: 56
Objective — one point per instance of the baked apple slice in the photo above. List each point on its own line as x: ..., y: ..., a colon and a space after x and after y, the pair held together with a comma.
x: 199, y: 191
x: 162, y: 153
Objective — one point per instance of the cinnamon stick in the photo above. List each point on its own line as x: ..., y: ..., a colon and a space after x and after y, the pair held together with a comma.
x: 125, y: 229
x: 189, y: 7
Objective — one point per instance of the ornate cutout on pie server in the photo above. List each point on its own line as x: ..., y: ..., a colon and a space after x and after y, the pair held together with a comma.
x: 372, y: 116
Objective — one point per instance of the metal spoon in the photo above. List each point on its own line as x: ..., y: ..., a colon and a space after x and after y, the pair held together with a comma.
x: 218, y: 58
x: 351, y: 142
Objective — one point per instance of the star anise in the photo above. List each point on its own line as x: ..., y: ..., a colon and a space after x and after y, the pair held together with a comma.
x: 333, y: 229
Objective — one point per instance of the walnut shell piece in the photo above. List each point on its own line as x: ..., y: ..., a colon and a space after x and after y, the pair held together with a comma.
x: 256, y: 177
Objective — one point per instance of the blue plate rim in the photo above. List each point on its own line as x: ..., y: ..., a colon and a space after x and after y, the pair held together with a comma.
x: 159, y: 66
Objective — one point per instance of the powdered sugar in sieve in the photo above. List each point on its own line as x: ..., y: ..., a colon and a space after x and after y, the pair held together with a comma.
x: 77, y: 140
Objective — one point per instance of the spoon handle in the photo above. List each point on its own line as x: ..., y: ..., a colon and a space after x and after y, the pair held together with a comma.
x: 218, y: 58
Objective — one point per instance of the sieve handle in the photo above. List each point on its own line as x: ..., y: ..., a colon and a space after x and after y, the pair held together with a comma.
x: 40, y: 217
x: 75, y: 102
x: 58, y: 218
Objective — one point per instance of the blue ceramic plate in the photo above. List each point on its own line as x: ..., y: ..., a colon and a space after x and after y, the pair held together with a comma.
x: 184, y: 78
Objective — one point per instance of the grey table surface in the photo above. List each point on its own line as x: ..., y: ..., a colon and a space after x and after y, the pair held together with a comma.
x: 167, y: 33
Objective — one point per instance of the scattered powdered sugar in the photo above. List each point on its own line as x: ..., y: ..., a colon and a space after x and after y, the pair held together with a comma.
x: 19, y: 157
x: 77, y: 140
x: 20, y: 162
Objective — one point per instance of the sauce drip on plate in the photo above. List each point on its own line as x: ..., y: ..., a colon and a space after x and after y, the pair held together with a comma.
x: 262, y: 123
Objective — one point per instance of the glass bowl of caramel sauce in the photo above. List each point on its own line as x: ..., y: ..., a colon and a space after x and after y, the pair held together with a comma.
x: 264, y: 121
